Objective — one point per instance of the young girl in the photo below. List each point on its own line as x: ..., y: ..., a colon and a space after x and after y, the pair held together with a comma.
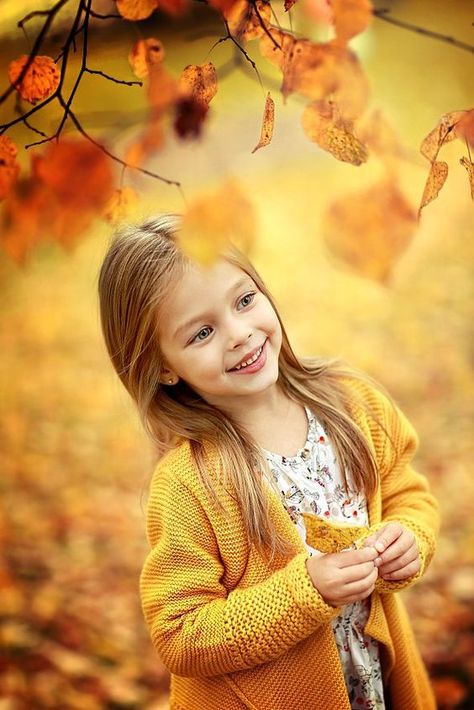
x: 284, y: 514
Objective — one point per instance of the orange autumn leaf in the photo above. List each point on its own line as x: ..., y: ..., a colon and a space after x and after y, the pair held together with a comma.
x: 214, y: 221
x: 324, y: 125
x: 368, y: 231
x: 244, y: 22
x: 224, y: 6
x: 266, y: 132
x: 40, y: 81
x: 172, y: 7
x: 120, y: 205
x: 435, y: 181
x: 442, y: 133
x: 79, y: 174
x: 9, y: 168
x: 350, y: 18
x: 144, y: 54
x: 316, y: 70
x: 449, y: 692
x: 469, y: 165
x: 136, y: 9
x: 25, y: 212
x: 465, y: 127
x: 199, y: 82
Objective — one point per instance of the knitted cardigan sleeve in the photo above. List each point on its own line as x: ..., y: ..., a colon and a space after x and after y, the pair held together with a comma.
x: 405, y: 493
x: 198, y: 627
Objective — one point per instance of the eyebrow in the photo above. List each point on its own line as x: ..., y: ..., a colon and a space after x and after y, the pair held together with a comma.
x: 202, y: 316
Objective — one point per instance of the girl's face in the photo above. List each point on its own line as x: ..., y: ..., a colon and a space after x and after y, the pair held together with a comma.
x: 213, y: 321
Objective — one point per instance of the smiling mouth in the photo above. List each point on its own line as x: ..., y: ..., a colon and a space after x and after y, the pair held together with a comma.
x: 250, y: 360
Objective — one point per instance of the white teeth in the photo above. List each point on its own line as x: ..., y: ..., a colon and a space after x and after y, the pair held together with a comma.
x: 251, y: 360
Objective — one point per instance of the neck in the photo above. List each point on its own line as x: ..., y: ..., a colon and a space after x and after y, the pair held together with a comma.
x: 255, y: 412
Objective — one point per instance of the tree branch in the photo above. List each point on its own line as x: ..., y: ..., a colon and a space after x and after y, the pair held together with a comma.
x: 111, y: 78
x: 384, y: 15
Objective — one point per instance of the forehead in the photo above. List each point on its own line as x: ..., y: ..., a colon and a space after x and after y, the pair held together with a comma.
x: 198, y: 292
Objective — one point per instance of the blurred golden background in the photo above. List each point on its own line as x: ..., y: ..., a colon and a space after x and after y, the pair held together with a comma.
x: 75, y: 462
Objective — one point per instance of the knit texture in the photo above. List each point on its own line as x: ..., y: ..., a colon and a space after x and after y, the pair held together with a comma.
x: 236, y: 631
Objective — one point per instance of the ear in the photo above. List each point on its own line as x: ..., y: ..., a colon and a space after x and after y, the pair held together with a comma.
x: 168, y: 377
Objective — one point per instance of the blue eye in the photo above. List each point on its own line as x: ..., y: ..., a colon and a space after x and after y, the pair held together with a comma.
x: 247, y: 296
x: 203, y: 330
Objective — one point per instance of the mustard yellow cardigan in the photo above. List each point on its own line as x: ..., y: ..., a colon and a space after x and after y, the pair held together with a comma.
x: 237, y: 633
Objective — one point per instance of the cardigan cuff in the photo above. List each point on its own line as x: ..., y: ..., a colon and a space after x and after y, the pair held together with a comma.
x: 305, y: 593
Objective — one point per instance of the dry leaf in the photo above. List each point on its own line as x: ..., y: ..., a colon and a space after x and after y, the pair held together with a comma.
x: 442, y: 133
x: 350, y: 18
x: 214, y: 221
x: 244, y: 23
x: 465, y: 127
x: 316, y: 70
x: 369, y: 230
x: 145, y: 54
x: 190, y: 117
x: 323, y: 125
x: 136, y: 9
x: 79, y: 174
x: 266, y: 132
x: 9, y: 168
x: 289, y: 4
x: 199, y: 82
x: 469, y: 165
x: 435, y: 181
x: 120, y: 205
x: 40, y: 81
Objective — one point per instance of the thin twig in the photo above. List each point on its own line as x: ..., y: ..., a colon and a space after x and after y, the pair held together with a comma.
x: 98, y: 16
x: 81, y: 130
x: 111, y: 78
x: 384, y: 15
x: 241, y: 49
x: 262, y: 23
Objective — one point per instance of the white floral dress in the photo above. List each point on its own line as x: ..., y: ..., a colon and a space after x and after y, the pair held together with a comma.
x: 311, y: 482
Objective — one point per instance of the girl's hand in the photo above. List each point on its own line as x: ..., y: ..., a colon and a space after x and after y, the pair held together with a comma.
x: 399, y: 556
x: 344, y: 577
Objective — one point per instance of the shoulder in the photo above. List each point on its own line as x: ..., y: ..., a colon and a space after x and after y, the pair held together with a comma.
x: 378, y: 412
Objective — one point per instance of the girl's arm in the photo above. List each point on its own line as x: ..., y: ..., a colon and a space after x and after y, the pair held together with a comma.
x: 198, y: 627
x: 405, y: 493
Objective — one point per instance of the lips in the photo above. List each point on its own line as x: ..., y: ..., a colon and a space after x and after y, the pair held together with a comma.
x: 252, y: 355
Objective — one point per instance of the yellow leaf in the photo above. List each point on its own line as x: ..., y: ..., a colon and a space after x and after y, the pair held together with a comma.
x: 435, y: 181
x: 469, y: 165
x: 267, y: 124
x: 369, y: 230
x: 136, y: 9
x: 39, y: 82
x: 323, y: 125
x: 214, y: 221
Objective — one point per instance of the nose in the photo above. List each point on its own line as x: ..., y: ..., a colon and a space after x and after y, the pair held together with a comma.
x: 239, y: 334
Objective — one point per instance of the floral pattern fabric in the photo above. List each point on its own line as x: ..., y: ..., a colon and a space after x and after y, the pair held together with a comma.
x: 310, y: 481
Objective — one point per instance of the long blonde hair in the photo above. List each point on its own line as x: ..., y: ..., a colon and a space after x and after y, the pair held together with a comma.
x: 141, y: 265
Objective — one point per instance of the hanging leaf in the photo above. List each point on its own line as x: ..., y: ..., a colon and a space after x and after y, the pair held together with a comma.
x: 190, y: 117
x: 145, y: 54
x: 350, y: 18
x: 289, y: 4
x: 465, y: 127
x: 316, y: 70
x: 244, y: 22
x: 214, y: 221
x: 9, y: 168
x: 323, y: 125
x: 120, y: 205
x: 369, y: 230
x: 266, y: 132
x: 136, y: 9
x: 469, y: 165
x: 79, y: 174
x: 435, y: 181
x: 199, y: 82
x: 442, y: 133
x: 40, y: 81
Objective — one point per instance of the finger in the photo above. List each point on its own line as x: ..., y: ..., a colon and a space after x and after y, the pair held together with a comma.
x: 358, y: 572
x: 409, y: 556
x: 404, y: 572
x: 361, y: 585
x: 387, y: 535
x: 405, y: 542
x: 354, y: 557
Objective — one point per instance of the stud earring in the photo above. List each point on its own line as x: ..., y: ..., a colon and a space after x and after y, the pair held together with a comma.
x: 170, y: 382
